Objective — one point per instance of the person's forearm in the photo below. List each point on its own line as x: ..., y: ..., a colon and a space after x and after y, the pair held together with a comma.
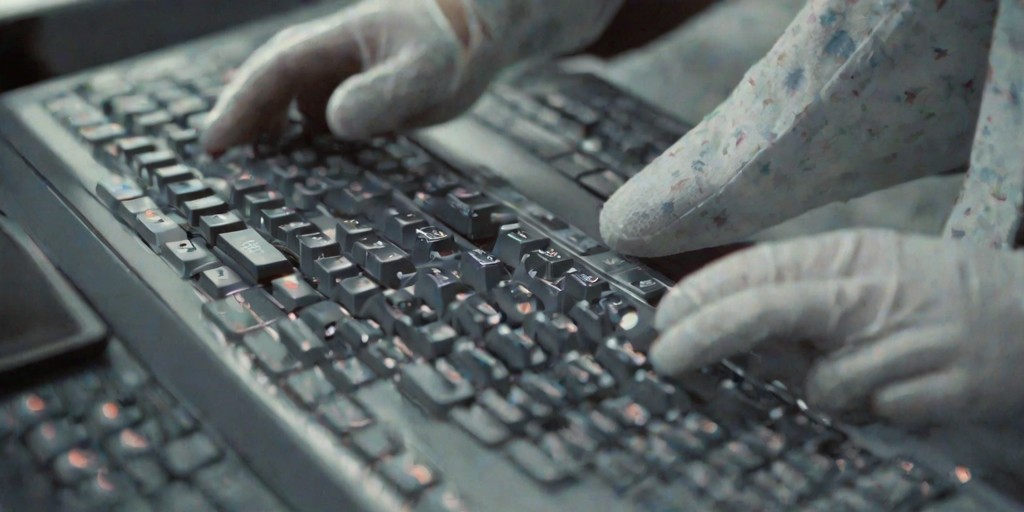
x: 545, y: 27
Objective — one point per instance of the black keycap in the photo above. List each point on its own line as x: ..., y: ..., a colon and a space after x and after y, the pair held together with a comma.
x: 180, y: 191
x: 188, y: 258
x: 134, y: 442
x: 514, y: 348
x: 583, y: 285
x: 262, y: 261
x: 349, y: 231
x: 611, y: 263
x: 480, y: 424
x: 481, y: 368
x: 196, y: 209
x: 515, y: 242
x: 620, y: 469
x: 255, y: 202
x: 555, y: 332
x: 232, y: 487
x: 158, y: 230
x: 401, y: 228
x: 481, y: 270
x: 537, y: 464
x: 51, y: 438
x: 655, y: 395
x: 438, y: 287
x: 212, y: 226
x: 146, y: 164
x: 508, y: 414
x: 515, y: 301
x: 184, y: 141
x: 539, y: 140
x: 243, y: 186
x: 349, y: 374
x: 172, y: 174
x: 184, y: 456
x: 577, y: 164
x: 343, y: 416
x: 289, y: 234
x: 431, y: 243
x: 116, y: 189
x: 376, y: 442
x: 544, y: 389
x: 129, y: 209
x: 395, y: 307
x: 470, y: 214
x: 34, y: 406
x: 627, y: 412
x: 184, y: 108
x: 324, y: 318
x: 430, y: 341
x: 358, y: 197
x: 313, y: 247
x: 364, y: 245
x: 643, y: 284
x: 75, y: 465
x: 435, y: 392
x: 220, y: 282
x: 271, y: 220
x: 308, y: 193
x: 583, y: 378
x: 292, y: 292
x: 332, y: 270
x: 354, y: 293
x: 548, y: 263
x: 309, y: 387
x: 620, y: 359
x: 305, y: 344
x: 179, y: 497
x: 101, y: 134
x: 473, y: 316
x: 592, y: 319
x: 124, y: 108
x: 409, y: 476
x: 385, y: 357
x: 389, y: 266
x: 271, y: 355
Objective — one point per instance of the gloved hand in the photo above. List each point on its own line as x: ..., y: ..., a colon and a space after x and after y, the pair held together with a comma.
x: 384, y: 66
x: 919, y: 330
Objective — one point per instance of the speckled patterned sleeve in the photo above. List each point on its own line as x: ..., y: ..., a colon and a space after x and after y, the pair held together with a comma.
x: 547, y: 27
x: 854, y: 97
x: 692, y: 70
x: 991, y: 205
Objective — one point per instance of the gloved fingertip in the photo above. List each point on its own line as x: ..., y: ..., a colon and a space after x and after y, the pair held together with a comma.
x: 670, y: 355
x: 346, y: 118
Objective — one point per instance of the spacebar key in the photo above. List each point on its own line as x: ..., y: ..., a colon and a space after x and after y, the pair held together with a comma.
x: 262, y: 261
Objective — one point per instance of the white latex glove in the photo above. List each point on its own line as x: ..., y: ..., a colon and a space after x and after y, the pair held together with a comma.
x: 385, y: 66
x: 920, y: 330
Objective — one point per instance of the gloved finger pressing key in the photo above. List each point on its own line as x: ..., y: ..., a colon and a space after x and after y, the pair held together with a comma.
x: 919, y: 330
x: 386, y: 66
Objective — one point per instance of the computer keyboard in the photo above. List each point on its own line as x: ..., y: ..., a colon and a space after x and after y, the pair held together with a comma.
x: 108, y: 437
x: 581, y: 126
x: 359, y: 281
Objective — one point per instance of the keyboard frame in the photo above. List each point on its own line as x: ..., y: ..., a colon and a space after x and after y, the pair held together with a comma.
x: 158, y: 315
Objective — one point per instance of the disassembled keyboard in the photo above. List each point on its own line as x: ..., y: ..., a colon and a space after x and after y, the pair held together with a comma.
x: 353, y: 279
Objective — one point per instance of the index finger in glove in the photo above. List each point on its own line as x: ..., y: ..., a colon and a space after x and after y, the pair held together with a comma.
x: 833, y: 256
x: 259, y: 95
x: 826, y: 312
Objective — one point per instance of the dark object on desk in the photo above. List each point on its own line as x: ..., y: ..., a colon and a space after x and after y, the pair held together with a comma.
x: 41, y: 316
